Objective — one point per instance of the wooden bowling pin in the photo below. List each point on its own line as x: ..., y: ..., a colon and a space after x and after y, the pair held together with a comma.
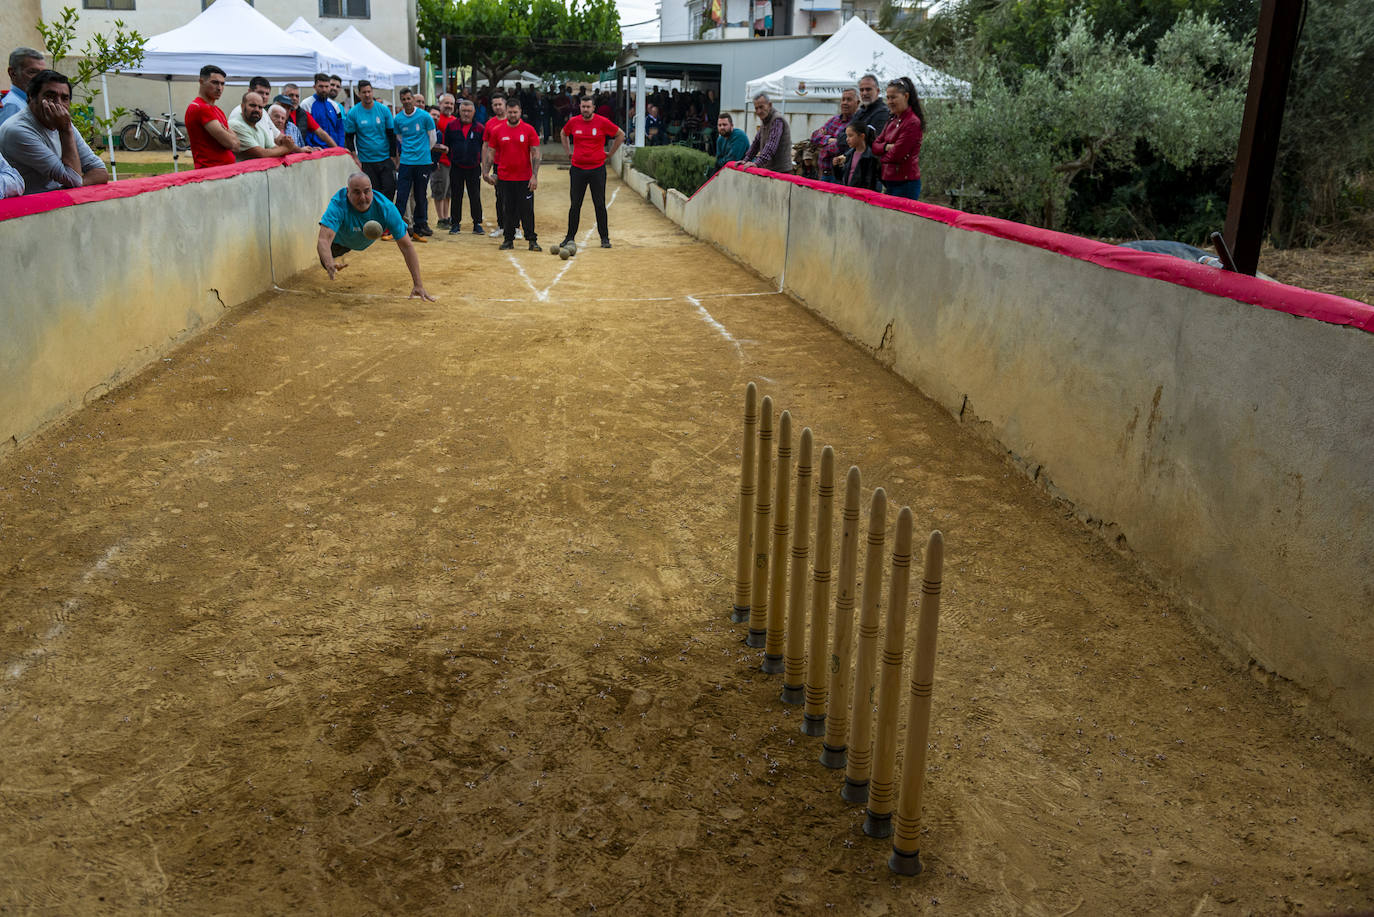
x: 906, y: 836
x: 813, y: 717
x: 882, y: 791
x: 763, y: 515
x: 794, y: 660
x: 833, y: 750
x: 740, y: 613
x: 782, y: 527
x: 858, y: 767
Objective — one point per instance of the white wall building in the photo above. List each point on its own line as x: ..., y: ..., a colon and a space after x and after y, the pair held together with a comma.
x: 390, y: 24
x: 687, y: 20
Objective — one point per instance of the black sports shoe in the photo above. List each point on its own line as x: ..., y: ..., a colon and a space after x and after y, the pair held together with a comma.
x: 506, y: 246
x: 454, y: 229
x: 605, y: 243
x: 443, y: 223
x: 477, y: 228
x: 565, y: 243
x: 534, y: 247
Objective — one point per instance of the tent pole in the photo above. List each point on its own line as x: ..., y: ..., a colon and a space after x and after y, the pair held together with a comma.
x: 171, y: 109
x: 443, y: 64
x: 109, y: 128
x: 639, y: 105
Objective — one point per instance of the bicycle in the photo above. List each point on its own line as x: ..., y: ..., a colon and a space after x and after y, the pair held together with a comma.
x: 135, y: 136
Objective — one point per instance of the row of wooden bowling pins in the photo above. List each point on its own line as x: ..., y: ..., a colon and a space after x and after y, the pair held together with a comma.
x: 774, y: 605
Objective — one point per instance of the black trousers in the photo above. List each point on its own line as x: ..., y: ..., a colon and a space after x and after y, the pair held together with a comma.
x: 579, y: 180
x: 470, y: 180
x: 518, y: 201
x: 383, y: 177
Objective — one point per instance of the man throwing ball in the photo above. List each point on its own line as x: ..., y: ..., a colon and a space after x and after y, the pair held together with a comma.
x: 588, y: 133
x: 342, y: 229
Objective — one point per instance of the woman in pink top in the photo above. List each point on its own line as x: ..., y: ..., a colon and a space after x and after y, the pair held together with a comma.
x: 898, y: 147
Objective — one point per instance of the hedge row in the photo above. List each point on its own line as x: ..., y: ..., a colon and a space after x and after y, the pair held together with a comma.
x: 674, y: 166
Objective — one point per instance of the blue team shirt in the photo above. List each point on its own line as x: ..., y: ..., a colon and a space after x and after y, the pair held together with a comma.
x: 413, y: 132
x: 347, y: 223
x: 369, y: 127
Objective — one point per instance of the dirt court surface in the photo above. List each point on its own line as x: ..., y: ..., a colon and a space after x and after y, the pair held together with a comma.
x: 360, y: 605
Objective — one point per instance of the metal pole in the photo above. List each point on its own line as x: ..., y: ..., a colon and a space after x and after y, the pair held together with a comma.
x: 639, y: 105
x: 109, y: 128
x: 1275, y: 47
x: 171, y: 109
x: 443, y: 63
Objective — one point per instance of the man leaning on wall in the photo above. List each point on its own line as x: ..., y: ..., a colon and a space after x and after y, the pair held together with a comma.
x: 42, y: 143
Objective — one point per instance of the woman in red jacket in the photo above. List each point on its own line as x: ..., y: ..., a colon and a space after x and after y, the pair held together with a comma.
x: 898, y: 147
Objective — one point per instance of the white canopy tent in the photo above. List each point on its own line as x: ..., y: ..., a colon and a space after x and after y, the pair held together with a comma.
x: 234, y: 37
x: 838, y: 63
x: 385, y: 71
x: 339, y: 63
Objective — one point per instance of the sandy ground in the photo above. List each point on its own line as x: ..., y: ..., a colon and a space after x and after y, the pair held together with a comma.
x: 360, y: 605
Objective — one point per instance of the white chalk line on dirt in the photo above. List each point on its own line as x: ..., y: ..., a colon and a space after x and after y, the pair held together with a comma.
x: 18, y: 667
x: 710, y: 319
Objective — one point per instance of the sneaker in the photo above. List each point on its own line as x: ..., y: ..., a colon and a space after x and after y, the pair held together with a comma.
x: 534, y: 247
x: 386, y: 237
x: 520, y: 235
x: 423, y: 231
x: 442, y: 223
x: 495, y: 232
x: 506, y: 246
x: 565, y: 243
x: 477, y: 228
x: 605, y: 243
x: 454, y: 229
x: 417, y: 237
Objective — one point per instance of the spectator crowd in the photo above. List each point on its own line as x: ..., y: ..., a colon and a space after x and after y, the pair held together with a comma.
x: 415, y: 152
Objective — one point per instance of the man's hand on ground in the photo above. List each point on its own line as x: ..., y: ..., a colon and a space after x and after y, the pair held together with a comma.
x: 419, y: 291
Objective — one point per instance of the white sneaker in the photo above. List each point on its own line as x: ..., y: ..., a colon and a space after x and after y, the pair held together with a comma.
x: 519, y: 234
x: 495, y: 232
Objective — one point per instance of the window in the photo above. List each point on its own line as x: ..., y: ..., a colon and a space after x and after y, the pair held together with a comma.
x: 205, y: 4
x: 108, y: 4
x: 345, y: 9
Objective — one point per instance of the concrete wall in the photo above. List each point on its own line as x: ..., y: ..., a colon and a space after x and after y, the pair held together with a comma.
x: 1231, y: 447
x: 96, y: 291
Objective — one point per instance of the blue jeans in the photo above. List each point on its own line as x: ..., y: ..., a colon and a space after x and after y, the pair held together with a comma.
x: 414, y: 180
x: 911, y: 190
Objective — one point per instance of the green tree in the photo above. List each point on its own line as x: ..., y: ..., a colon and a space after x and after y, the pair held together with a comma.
x: 1324, y: 185
x: 498, y: 36
x: 100, y: 54
x: 1094, y: 106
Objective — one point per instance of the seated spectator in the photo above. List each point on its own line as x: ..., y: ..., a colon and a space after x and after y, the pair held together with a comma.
x: 25, y: 64
x: 731, y: 142
x: 262, y: 87
x: 42, y: 144
x: 255, y: 140
x: 860, y: 171
x: 11, y: 182
x: 278, y: 115
x: 654, y: 134
x: 305, y: 126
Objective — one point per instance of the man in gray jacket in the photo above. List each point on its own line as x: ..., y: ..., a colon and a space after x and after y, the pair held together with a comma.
x: 772, y: 146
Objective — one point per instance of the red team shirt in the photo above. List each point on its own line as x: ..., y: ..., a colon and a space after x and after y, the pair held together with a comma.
x: 589, y: 140
x: 441, y: 122
x: 511, y: 149
x: 205, y: 152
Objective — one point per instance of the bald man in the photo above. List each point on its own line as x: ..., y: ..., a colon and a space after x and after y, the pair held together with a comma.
x: 341, y: 229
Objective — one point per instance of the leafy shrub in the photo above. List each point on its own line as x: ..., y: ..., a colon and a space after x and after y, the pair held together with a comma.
x: 674, y: 166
